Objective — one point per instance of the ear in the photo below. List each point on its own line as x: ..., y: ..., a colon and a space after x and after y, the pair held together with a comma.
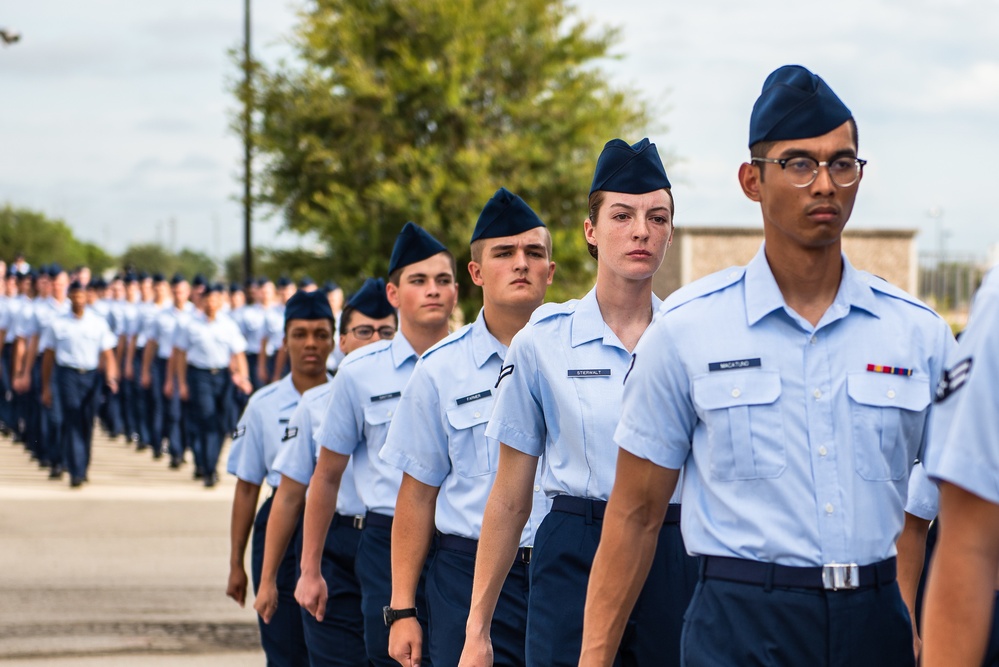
x: 475, y: 271
x: 589, y: 230
x: 749, y: 179
x: 551, y: 272
x: 392, y: 294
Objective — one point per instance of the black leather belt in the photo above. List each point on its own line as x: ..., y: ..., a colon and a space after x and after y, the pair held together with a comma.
x: 833, y: 576
x: 81, y: 371
x: 467, y: 545
x: 351, y: 520
x: 213, y: 371
x: 596, y: 508
x: 374, y: 520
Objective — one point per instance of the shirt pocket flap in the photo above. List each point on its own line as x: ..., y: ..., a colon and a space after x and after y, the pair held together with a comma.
x: 889, y: 391
x: 380, y: 412
x: 729, y: 389
x: 470, y: 414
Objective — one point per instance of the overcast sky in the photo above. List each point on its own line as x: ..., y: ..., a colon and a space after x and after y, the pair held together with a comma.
x: 114, y: 113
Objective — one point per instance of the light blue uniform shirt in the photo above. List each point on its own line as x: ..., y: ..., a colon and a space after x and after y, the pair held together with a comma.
x: 273, y: 328
x: 209, y: 344
x: 261, y: 432
x: 11, y: 313
x: 364, y: 398
x: 560, y: 396
x: 103, y: 308
x: 963, y: 448
x: 166, y: 325
x: 77, y: 341
x: 297, y: 458
x: 794, y: 452
x: 438, y: 435
x: 924, y: 496
x: 252, y: 323
x: 147, y: 312
x: 23, y: 320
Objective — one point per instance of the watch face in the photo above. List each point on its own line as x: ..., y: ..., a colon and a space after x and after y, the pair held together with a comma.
x: 387, y: 615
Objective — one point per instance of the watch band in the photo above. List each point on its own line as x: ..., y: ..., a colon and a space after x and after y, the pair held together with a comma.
x: 390, y: 615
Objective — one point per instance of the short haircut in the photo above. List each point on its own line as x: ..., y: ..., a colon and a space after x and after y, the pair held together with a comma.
x: 347, y: 314
x: 596, y: 201
x: 396, y: 275
x: 478, y: 246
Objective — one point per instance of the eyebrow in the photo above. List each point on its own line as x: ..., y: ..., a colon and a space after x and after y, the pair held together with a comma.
x: 799, y: 152
x: 513, y: 246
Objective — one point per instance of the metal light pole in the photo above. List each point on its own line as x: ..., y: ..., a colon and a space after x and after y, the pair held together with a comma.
x: 247, y: 148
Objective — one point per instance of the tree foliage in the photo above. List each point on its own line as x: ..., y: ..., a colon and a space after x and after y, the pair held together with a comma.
x: 155, y: 258
x: 397, y: 110
x: 43, y: 240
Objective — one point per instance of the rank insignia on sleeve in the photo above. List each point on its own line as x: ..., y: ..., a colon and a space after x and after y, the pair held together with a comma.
x: 238, y: 433
x: 289, y: 433
x: 888, y: 370
x: 506, y: 370
x: 953, y: 379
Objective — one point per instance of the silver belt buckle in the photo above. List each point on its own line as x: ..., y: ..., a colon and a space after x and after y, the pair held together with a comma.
x: 359, y: 522
x: 840, y: 576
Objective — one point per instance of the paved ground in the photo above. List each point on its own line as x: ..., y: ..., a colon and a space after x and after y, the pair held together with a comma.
x: 130, y: 569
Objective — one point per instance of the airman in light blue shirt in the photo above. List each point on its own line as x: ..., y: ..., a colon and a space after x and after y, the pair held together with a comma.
x: 365, y: 395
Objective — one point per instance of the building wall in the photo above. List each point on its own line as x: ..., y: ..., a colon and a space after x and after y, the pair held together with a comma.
x: 700, y: 251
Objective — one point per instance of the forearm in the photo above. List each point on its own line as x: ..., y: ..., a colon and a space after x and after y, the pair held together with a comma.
x: 634, y: 518
x: 244, y: 508
x: 507, y: 510
x: 48, y: 363
x: 20, y: 352
x: 911, y: 546
x: 412, y: 533
x: 286, y: 508
x: 148, y: 355
x: 960, y: 593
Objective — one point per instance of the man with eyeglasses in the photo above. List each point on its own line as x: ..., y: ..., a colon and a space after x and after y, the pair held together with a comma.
x: 337, y: 640
x: 363, y: 400
x: 794, y: 394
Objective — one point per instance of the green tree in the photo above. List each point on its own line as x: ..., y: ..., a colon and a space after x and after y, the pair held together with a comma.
x: 43, y: 240
x: 155, y: 258
x: 398, y: 110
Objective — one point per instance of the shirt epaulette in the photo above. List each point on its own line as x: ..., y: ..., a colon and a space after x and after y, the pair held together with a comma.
x: 882, y: 286
x: 709, y: 284
x: 366, y: 351
x: 549, y: 310
x: 264, y: 392
x: 447, y: 340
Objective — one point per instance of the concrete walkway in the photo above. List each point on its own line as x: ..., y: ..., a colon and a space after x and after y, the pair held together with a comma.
x: 130, y: 569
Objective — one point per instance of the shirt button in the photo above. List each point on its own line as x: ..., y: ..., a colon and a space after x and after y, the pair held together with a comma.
x: 736, y: 393
x: 537, y: 488
x: 389, y: 413
x: 733, y: 274
x: 829, y: 508
x: 817, y: 393
x: 478, y: 414
x: 891, y: 393
x: 823, y: 451
x: 812, y: 340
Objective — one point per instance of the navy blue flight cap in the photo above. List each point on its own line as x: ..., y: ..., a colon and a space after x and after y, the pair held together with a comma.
x: 159, y: 278
x: 178, y: 278
x: 235, y: 287
x: 371, y: 299
x: 214, y: 287
x: 129, y: 278
x: 412, y: 245
x: 283, y: 281
x: 143, y: 275
x: 75, y: 285
x: 98, y: 283
x: 634, y: 170
x: 330, y: 285
x: 54, y: 270
x: 505, y: 214
x: 262, y: 280
x: 199, y: 280
x: 307, y: 306
x: 306, y: 281
x: 795, y: 104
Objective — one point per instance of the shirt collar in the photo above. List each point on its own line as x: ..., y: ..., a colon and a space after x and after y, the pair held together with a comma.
x: 289, y: 394
x: 401, y: 350
x: 763, y: 296
x: 484, y: 344
x: 588, y: 322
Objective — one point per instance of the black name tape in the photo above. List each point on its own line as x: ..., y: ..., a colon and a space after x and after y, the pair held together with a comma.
x: 289, y: 433
x: 589, y: 372
x: 473, y: 397
x: 734, y: 365
x: 385, y: 397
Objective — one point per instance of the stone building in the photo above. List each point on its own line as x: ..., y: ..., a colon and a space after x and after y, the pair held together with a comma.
x: 700, y: 251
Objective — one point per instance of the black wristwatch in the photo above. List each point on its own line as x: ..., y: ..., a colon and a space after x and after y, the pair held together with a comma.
x: 392, y: 615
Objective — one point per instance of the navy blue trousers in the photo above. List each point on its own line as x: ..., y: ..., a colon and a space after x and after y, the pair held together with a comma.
x: 209, y: 402
x: 339, y: 640
x: 140, y: 401
x: 6, y: 397
x: 283, y: 639
x: 560, y: 570
x: 78, y: 394
x: 449, y: 596
x: 746, y: 625
x: 52, y: 449
x: 374, y: 571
